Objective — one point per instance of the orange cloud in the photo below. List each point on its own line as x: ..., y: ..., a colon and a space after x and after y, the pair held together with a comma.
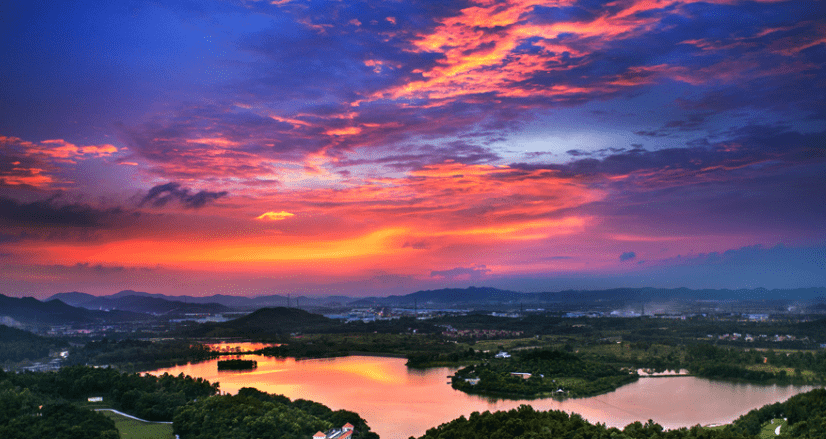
x: 40, y: 162
x: 275, y: 216
x: 26, y: 177
x: 348, y: 131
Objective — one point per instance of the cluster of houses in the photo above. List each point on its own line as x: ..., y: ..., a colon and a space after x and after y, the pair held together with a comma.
x: 480, y: 333
x: 344, y: 432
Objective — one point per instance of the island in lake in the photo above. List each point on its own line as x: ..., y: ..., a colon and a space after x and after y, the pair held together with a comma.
x: 537, y: 373
x: 237, y: 364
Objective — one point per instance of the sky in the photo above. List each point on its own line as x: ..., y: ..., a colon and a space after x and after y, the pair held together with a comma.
x: 249, y: 147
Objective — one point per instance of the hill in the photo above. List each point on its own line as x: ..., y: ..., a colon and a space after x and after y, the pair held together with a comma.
x: 19, y: 345
x: 265, y: 322
x: 73, y: 298
x: 236, y: 302
x: 32, y: 312
x: 614, y: 297
x: 153, y: 305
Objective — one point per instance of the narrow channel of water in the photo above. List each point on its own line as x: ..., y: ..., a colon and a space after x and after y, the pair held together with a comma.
x: 399, y: 402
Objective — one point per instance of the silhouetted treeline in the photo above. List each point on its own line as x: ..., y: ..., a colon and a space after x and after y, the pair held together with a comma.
x: 237, y: 364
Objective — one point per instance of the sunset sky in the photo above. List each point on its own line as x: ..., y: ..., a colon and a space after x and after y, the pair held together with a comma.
x: 369, y: 148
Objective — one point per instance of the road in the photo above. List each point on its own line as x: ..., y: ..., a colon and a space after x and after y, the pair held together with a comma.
x: 130, y: 416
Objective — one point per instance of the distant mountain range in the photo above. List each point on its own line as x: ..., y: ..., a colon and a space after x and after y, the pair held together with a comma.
x: 135, y: 301
x: 481, y: 296
x: 236, y: 302
x: 128, y: 299
x: 32, y: 312
x: 76, y: 307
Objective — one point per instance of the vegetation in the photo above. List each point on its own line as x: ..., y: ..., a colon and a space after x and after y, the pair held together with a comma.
x: 265, y: 322
x: 420, y: 349
x: 255, y: 414
x: 52, y: 403
x: 18, y: 345
x: 756, y: 366
x: 145, y: 396
x: 137, y: 355
x: 24, y: 415
x: 129, y: 428
x: 541, y: 373
x: 527, y: 423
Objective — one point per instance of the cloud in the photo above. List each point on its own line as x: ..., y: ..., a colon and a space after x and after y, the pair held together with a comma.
x: 417, y: 245
x: 461, y: 273
x: 627, y: 256
x: 39, y: 164
x: 162, y: 194
x: 275, y: 216
x: 51, y: 212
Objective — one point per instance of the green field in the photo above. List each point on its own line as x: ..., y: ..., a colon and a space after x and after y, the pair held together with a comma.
x: 132, y: 429
x: 768, y: 430
x: 808, y: 374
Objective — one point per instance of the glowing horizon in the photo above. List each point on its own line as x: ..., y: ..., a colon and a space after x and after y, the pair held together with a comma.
x: 347, y: 148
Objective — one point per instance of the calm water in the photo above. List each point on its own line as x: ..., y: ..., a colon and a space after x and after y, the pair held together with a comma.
x: 398, y: 402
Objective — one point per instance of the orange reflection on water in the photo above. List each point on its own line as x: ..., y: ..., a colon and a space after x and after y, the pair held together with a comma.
x: 398, y: 402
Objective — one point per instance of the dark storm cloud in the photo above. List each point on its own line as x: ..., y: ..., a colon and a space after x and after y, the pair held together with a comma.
x: 53, y: 212
x: 161, y: 195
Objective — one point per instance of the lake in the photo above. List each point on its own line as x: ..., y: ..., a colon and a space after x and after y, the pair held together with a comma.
x: 399, y: 402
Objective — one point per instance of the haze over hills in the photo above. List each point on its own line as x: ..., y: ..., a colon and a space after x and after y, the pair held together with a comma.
x: 78, y: 307
x: 619, y: 296
x: 138, y: 302
x: 30, y: 311
x: 238, y: 302
x: 441, y: 297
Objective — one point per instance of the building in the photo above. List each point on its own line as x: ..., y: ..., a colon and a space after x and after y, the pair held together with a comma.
x: 345, y: 432
x: 523, y: 375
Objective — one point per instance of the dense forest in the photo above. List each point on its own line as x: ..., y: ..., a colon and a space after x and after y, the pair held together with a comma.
x: 50, y: 404
x: 253, y: 414
x: 136, y: 355
x: 805, y: 414
x: 18, y: 345
x: 47, y: 404
x: 541, y: 372
x: 526, y: 423
x: 145, y: 396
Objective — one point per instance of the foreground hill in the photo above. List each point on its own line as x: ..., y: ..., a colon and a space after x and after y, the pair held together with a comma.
x: 54, y: 405
x: 805, y: 419
x: 265, y: 322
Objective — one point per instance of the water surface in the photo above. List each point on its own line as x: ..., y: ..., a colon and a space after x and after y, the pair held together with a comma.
x: 399, y: 402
